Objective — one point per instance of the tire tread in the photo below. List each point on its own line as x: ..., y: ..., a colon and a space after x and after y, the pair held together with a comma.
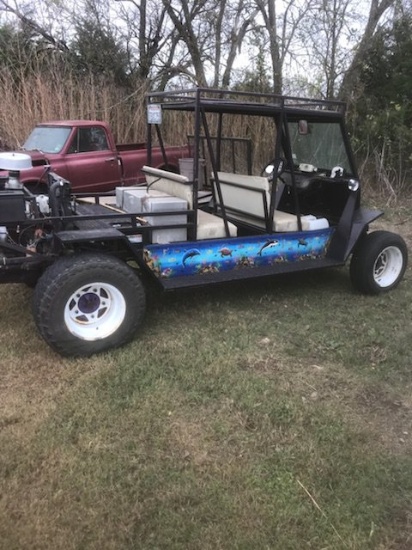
x: 364, y: 256
x: 79, y: 266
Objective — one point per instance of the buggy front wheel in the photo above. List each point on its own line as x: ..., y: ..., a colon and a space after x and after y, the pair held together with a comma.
x: 378, y: 262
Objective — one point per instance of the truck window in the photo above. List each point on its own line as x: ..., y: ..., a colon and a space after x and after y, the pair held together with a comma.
x: 47, y: 139
x: 89, y: 139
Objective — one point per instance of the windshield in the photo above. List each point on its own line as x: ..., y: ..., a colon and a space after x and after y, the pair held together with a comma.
x: 48, y: 139
x: 320, y: 146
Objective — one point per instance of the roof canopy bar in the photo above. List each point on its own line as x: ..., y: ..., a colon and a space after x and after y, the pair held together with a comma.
x: 214, y: 97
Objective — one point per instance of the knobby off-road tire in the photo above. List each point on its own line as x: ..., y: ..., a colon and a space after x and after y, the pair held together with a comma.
x: 88, y: 303
x: 378, y: 262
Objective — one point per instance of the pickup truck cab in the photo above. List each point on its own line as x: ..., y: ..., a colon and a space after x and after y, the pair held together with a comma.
x: 85, y: 152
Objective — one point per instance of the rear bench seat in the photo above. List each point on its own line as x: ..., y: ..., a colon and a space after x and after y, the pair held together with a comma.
x: 247, y: 198
x: 208, y: 225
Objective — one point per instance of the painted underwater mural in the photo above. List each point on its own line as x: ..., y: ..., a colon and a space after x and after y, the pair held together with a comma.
x: 211, y: 256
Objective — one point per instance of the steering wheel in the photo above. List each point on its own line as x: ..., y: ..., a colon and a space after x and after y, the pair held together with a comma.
x: 303, y: 179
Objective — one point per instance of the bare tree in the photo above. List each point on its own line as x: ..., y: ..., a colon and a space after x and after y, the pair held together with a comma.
x: 186, y: 19
x: 24, y: 13
x: 200, y: 40
x: 336, y: 35
x: 333, y: 29
x: 211, y: 32
x: 281, y: 29
x: 233, y: 20
x: 268, y: 12
x: 144, y: 22
x: 326, y: 36
x: 349, y: 83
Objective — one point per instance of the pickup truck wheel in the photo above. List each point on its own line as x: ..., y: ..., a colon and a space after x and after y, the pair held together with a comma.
x: 88, y: 303
x: 378, y: 262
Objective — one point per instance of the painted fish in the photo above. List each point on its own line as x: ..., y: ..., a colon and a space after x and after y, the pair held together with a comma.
x: 225, y: 252
x: 190, y: 254
x: 268, y: 244
x: 167, y: 272
x: 302, y: 242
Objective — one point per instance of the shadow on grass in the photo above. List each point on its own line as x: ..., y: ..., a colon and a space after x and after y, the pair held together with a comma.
x: 295, y: 284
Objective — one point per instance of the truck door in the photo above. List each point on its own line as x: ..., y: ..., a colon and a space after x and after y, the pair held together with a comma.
x: 92, y: 165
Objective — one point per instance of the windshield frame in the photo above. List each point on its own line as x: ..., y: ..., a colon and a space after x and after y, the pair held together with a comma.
x: 323, y: 148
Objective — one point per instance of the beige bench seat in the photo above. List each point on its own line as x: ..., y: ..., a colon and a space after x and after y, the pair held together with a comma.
x: 247, y: 198
x: 212, y: 227
x: 209, y: 226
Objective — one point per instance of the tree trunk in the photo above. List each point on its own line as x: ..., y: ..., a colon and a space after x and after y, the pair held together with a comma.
x: 183, y: 25
x: 349, y: 87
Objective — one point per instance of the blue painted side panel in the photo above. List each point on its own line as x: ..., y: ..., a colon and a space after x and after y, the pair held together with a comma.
x: 211, y: 256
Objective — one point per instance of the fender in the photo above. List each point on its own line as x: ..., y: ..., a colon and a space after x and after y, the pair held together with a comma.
x: 342, y: 245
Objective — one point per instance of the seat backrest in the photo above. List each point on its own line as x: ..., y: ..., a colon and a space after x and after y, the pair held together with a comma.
x: 170, y: 183
x: 246, y: 194
x: 247, y: 198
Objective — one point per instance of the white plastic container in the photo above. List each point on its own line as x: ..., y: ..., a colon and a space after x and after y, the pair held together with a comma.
x: 310, y: 223
x: 133, y: 199
x: 3, y: 233
x: 186, y: 168
x: 120, y: 192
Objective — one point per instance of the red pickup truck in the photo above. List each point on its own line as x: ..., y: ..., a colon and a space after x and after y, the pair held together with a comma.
x: 85, y: 153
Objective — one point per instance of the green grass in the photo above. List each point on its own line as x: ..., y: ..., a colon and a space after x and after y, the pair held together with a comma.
x: 263, y: 415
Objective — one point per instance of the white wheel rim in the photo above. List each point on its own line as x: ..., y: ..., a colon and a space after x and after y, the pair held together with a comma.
x: 95, y: 311
x: 387, y: 267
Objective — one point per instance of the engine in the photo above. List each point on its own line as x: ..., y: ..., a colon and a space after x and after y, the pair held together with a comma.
x: 12, y: 200
x: 18, y: 205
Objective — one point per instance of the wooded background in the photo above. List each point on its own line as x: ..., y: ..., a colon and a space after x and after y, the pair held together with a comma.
x: 97, y: 59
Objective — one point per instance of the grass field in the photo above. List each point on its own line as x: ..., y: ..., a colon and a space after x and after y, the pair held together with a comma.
x: 267, y: 415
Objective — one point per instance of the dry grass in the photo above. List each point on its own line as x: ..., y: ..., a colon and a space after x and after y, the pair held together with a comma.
x: 41, y: 97
x: 276, y: 416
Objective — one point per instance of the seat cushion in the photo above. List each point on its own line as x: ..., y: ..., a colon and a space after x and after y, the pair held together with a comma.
x: 212, y: 227
x: 283, y: 221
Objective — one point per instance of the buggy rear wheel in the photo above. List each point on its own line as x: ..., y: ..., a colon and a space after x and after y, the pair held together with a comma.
x: 88, y: 303
x: 378, y: 262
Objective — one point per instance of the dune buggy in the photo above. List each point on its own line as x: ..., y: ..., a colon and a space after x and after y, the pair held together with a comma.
x: 272, y: 188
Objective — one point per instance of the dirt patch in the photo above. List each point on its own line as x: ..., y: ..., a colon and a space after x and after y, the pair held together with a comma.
x: 397, y: 221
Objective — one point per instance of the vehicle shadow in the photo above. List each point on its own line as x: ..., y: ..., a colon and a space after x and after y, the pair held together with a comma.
x: 286, y: 286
